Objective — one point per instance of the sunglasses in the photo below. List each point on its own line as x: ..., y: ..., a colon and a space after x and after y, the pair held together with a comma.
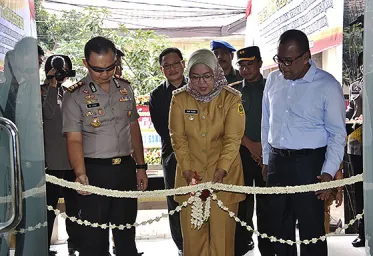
x: 101, y: 70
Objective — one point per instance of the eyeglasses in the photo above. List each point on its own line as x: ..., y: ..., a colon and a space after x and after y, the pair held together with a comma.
x: 287, y: 62
x: 172, y: 65
x: 206, y: 78
x: 101, y: 70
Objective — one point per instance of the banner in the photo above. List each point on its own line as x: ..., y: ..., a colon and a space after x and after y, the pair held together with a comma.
x: 321, y: 20
x: 17, y: 20
x: 150, y: 137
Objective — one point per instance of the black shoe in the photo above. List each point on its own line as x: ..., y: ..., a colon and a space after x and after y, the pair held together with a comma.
x: 52, y: 253
x: 358, y: 242
x: 140, y: 253
x: 72, y: 252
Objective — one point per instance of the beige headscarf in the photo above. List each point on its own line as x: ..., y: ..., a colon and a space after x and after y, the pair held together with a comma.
x: 204, y: 56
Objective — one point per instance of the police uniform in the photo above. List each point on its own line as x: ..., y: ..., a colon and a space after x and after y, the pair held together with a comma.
x: 233, y: 75
x: 355, y: 145
x: 252, y: 94
x: 207, y: 136
x: 104, y: 120
x: 57, y: 162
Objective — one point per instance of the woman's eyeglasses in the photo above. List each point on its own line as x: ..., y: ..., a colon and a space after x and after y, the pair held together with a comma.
x: 206, y: 78
x: 172, y: 65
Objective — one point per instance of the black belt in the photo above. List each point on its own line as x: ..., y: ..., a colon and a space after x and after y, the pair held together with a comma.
x: 107, y: 161
x: 295, y: 152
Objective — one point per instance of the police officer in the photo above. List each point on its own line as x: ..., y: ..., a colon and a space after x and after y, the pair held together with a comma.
x: 100, y: 122
x: 56, y: 159
x: 224, y: 52
x: 355, y: 147
x: 249, y: 62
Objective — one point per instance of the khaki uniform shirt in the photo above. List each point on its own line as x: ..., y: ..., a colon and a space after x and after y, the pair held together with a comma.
x: 207, y: 136
x: 103, y: 118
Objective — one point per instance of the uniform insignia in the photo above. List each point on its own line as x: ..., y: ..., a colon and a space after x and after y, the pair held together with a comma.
x: 191, y: 118
x: 85, y: 91
x: 93, y: 105
x: 100, y: 111
x: 122, y: 99
x: 93, y: 87
x: 232, y: 90
x: 95, y: 122
x: 191, y: 111
x: 177, y: 91
x: 235, y: 83
x: 241, y: 111
x: 74, y: 87
x: 89, y: 113
x: 123, y: 91
x: 127, y: 98
x: 129, y: 113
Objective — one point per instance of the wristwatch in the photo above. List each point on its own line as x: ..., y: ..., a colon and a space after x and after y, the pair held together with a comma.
x: 142, y: 166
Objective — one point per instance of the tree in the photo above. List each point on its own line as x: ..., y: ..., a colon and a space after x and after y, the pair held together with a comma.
x: 68, y: 34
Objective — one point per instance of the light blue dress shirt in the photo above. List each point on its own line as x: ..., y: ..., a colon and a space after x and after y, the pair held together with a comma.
x: 307, y: 113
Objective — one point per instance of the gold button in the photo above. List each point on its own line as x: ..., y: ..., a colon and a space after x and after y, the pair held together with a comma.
x: 204, y: 150
x: 203, y: 134
x: 203, y: 117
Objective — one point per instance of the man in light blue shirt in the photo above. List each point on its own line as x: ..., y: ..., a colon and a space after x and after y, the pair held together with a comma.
x: 303, y: 139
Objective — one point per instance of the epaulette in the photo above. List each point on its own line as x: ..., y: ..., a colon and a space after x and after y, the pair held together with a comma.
x: 74, y: 87
x: 233, y: 84
x: 232, y: 90
x: 122, y: 79
x: 177, y: 91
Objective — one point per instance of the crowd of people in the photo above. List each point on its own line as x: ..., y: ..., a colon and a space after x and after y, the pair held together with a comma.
x: 217, y: 124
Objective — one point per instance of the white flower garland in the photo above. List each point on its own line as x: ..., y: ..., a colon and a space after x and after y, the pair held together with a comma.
x: 274, y: 239
x: 208, y: 185
x: 37, y: 191
x: 29, y: 229
x: 200, y: 211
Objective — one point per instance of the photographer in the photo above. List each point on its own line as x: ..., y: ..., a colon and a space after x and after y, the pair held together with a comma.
x: 57, y: 69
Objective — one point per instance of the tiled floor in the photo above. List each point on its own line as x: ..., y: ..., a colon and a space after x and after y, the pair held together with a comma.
x: 338, y: 246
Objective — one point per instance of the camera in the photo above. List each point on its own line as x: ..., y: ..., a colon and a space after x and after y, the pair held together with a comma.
x: 59, y: 63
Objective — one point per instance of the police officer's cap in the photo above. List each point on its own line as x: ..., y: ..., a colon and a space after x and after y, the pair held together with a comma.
x: 249, y: 53
x: 216, y: 44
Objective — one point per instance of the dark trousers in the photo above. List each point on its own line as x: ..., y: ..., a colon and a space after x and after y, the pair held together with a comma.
x: 252, y: 172
x: 290, y: 170
x: 169, y: 170
x: 54, y: 192
x: 357, y: 168
x: 102, y: 209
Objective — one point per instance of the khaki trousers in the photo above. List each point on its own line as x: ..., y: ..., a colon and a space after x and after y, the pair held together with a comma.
x: 215, y: 238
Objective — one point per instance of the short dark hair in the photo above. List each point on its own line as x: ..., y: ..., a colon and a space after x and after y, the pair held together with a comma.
x: 57, y: 61
x: 99, y: 45
x: 40, y: 51
x: 168, y: 51
x: 360, y: 59
x: 299, y: 37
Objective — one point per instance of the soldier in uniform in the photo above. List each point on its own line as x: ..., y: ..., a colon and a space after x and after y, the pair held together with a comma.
x: 100, y: 122
x: 224, y: 52
x: 206, y: 126
x: 355, y: 147
x: 249, y: 62
x: 56, y: 159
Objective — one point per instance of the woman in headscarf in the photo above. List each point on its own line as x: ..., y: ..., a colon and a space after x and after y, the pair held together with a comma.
x: 206, y: 126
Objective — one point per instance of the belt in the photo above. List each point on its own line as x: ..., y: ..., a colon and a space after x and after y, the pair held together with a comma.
x: 107, y: 161
x: 295, y: 152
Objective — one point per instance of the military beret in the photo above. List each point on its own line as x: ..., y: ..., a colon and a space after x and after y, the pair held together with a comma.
x: 216, y: 44
x: 249, y: 53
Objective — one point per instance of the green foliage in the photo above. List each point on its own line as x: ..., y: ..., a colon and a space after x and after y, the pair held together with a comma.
x: 69, y: 33
x: 352, y: 46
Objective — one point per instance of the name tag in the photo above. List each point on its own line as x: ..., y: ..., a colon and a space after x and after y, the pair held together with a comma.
x: 191, y: 111
x: 94, y: 105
